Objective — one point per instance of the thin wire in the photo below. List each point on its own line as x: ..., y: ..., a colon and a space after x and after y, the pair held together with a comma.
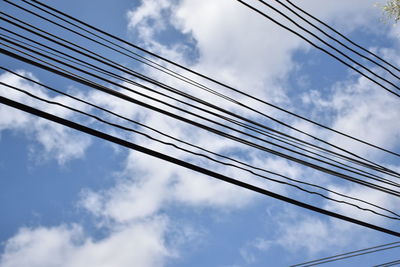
x: 228, y: 119
x: 189, y: 144
x: 263, y: 148
x: 336, y: 40
x: 196, y: 73
x: 324, y: 42
x: 197, y: 154
x: 388, y: 264
x: 141, y: 76
x: 319, y: 48
x: 187, y: 165
x: 342, y: 35
x: 183, y: 119
x: 201, y: 75
x: 349, y: 254
x: 124, y: 69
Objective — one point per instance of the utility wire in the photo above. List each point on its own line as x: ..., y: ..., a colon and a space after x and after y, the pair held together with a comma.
x: 114, y: 63
x: 141, y: 76
x: 342, y: 35
x: 336, y: 40
x: 187, y: 165
x: 196, y: 73
x: 199, y: 154
x: 388, y: 264
x: 189, y: 144
x: 207, y: 128
x: 322, y: 49
x: 324, y: 42
x: 349, y: 254
x: 124, y: 79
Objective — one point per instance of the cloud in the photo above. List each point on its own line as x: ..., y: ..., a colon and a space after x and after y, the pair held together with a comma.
x: 139, y: 244
x: 55, y: 140
x: 234, y: 45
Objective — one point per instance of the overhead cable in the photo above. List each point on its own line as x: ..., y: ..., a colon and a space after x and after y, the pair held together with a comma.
x: 189, y: 144
x: 187, y: 165
x: 195, y: 73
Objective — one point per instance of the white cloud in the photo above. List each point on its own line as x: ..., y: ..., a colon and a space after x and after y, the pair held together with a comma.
x: 236, y: 46
x: 56, y: 141
x: 139, y: 244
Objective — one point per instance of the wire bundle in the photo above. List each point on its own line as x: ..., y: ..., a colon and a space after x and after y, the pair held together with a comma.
x: 85, y: 62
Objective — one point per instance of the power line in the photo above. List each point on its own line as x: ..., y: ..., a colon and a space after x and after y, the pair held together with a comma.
x: 388, y: 264
x: 187, y: 165
x: 112, y: 64
x: 195, y: 73
x: 332, y: 47
x: 124, y: 69
x: 342, y: 35
x: 207, y: 157
x: 338, y: 41
x: 207, y: 128
x: 324, y: 50
x: 350, y: 254
x: 191, y: 145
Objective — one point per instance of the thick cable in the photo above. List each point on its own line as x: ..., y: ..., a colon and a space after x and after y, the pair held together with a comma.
x: 187, y: 165
x: 260, y: 147
x: 114, y: 63
x: 203, y: 87
x: 190, y: 144
x: 232, y: 121
x: 199, y: 154
x: 206, y: 77
x: 84, y: 81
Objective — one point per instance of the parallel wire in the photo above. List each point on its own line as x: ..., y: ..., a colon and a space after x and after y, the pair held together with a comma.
x: 328, y: 44
x: 323, y: 49
x: 218, y: 132
x: 343, y: 36
x: 183, y: 119
x: 205, y: 156
x: 318, y: 262
x: 228, y: 119
x: 158, y: 66
x: 187, y: 165
x: 388, y: 264
x: 141, y: 76
x: 345, y: 254
x: 174, y: 73
x: 338, y: 41
x: 192, y: 145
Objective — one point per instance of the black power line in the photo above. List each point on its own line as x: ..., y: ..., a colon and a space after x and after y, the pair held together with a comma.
x: 193, y: 72
x: 323, y: 49
x: 332, y: 47
x: 183, y: 119
x: 388, y: 264
x: 187, y: 165
x: 350, y: 254
x: 124, y: 69
x: 191, y: 145
x: 205, y: 156
x: 342, y: 35
x: 340, y: 42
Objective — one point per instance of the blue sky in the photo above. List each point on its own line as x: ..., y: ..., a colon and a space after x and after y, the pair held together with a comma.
x: 72, y: 200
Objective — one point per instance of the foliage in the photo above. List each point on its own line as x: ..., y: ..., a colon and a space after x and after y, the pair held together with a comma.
x: 392, y: 9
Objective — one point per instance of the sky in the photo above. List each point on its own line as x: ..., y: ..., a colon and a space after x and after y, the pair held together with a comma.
x: 68, y: 199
